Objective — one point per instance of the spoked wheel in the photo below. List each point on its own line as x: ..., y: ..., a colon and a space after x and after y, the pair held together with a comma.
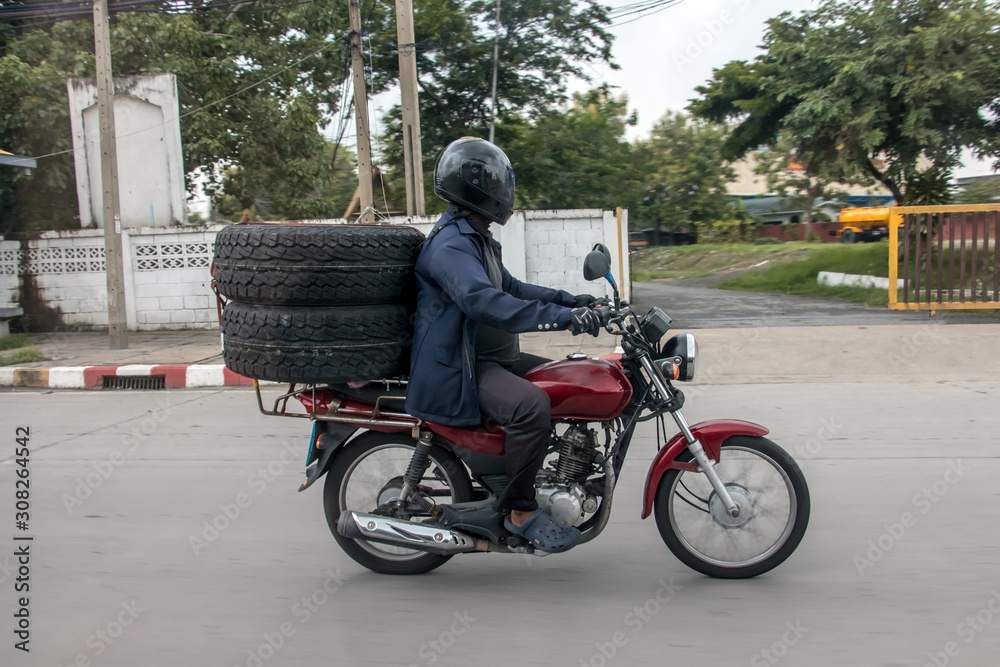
x: 771, y: 492
x: 368, y: 475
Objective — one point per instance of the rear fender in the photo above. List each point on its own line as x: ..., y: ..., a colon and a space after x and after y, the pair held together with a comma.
x: 711, y: 434
x: 327, y: 438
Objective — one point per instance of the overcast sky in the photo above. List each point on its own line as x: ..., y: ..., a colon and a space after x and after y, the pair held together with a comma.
x: 664, y: 56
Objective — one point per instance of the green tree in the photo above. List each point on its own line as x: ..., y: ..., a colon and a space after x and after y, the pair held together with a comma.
x: 894, y: 88
x: 574, y: 158
x: 542, y: 44
x: 256, y: 83
x: 681, y: 175
x: 337, y: 182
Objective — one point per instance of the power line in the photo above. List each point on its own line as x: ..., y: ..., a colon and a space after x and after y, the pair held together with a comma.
x: 67, y: 10
x: 639, y: 10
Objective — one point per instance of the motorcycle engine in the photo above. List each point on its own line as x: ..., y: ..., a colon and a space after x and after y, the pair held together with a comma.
x: 563, y: 503
x: 560, y: 493
x: 577, y: 450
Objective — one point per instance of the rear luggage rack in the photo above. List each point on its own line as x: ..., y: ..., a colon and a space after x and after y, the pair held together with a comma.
x: 337, y: 409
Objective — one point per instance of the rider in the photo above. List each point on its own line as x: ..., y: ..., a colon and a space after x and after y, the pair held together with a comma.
x: 466, y: 361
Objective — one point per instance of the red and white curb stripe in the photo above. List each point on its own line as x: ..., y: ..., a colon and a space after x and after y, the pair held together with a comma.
x: 92, y: 377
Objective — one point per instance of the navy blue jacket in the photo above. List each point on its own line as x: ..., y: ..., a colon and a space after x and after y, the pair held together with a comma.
x: 453, y: 293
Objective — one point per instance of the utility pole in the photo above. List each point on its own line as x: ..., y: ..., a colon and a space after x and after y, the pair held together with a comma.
x: 412, y: 156
x: 117, y: 326
x: 361, y: 115
x: 496, y: 59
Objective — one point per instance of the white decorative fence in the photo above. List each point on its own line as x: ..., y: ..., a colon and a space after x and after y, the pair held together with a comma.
x: 168, y: 284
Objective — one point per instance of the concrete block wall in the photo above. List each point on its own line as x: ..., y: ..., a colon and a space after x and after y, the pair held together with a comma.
x: 168, y: 280
x: 556, y: 243
x: 171, y: 283
x: 547, y: 247
x: 167, y: 276
x: 8, y: 273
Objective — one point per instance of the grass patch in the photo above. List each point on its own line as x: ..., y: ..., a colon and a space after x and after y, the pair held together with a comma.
x: 24, y: 352
x: 799, y: 276
x: 24, y: 355
x: 14, y: 341
x: 699, y: 261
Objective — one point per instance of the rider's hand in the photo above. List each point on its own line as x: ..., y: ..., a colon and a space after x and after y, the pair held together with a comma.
x: 586, y: 320
x: 584, y: 301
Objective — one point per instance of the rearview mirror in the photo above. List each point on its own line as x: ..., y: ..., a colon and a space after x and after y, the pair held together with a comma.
x: 596, y: 264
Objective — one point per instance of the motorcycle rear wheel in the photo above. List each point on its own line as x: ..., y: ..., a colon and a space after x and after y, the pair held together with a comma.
x: 375, y: 463
x: 772, y: 493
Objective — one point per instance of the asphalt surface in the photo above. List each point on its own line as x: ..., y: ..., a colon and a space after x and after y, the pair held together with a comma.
x: 124, y: 572
x: 693, y: 305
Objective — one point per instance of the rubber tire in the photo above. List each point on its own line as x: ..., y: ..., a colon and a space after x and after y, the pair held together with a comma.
x: 848, y: 236
x: 791, y: 468
x: 319, y: 344
x: 316, y: 265
x: 461, y: 492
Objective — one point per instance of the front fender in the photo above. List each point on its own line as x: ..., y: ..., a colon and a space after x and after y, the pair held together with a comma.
x: 711, y: 434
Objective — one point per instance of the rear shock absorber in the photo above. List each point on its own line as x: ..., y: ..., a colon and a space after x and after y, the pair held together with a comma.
x: 418, y: 465
x: 419, y: 461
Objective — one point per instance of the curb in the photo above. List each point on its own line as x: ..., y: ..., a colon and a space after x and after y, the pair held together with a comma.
x: 176, y: 376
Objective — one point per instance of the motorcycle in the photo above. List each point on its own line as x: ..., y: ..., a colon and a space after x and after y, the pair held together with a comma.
x: 403, y: 496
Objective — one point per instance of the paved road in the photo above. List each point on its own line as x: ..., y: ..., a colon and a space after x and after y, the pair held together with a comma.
x: 694, y: 306
x: 116, y: 581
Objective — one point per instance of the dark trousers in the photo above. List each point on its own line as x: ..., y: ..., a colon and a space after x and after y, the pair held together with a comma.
x: 523, y: 408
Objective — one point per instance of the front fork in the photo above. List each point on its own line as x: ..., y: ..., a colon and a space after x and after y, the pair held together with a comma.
x: 705, y: 464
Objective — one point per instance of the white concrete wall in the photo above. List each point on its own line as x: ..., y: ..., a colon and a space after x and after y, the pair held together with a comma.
x: 8, y: 273
x: 150, y: 162
x: 171, y: 283
x: 168, y: 280
x: 547, y: 247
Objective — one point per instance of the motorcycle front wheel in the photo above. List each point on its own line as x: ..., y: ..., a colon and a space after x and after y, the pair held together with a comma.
x: 368, y: 473
x: 773, y: 498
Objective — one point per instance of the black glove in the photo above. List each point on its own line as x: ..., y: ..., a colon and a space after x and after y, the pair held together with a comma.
x: 583, y: 301
x: 585, y: 320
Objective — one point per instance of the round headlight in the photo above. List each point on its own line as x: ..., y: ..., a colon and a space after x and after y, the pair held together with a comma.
x: 684, y: 347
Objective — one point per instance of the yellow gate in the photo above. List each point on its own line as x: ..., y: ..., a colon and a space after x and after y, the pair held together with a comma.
x: 944, y: 257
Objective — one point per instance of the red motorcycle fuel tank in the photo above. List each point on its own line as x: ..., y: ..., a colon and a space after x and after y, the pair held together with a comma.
x: 580, y: 387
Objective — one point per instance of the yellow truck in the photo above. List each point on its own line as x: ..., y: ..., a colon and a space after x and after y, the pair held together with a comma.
x: 863, y: 224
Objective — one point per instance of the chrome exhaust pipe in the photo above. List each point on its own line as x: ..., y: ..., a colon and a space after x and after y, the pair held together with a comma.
x: 401, y: 533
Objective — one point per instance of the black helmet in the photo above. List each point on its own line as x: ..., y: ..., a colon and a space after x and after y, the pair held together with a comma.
x: 475, y: 174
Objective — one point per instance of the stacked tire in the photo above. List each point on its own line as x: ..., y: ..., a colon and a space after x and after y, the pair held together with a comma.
x: 317, y: 303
